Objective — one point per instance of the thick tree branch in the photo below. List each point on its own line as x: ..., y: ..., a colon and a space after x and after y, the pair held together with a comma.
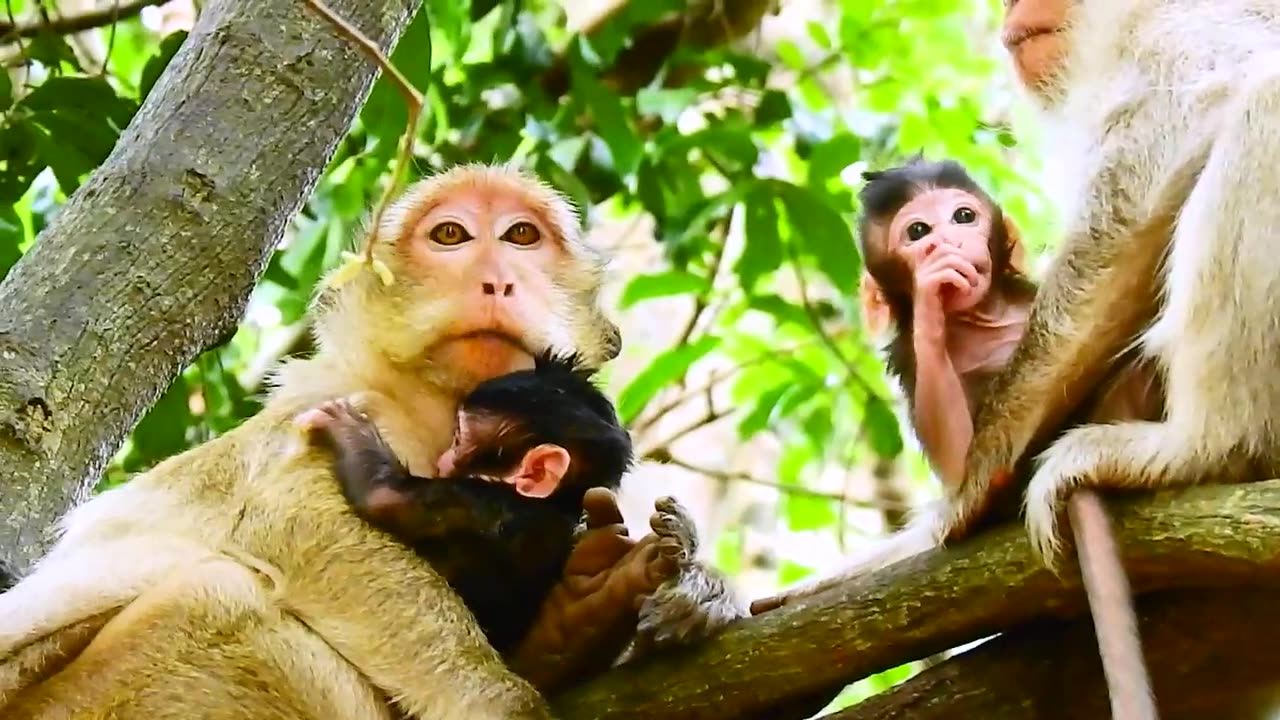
x: 153, y: 258
x: 76, y: 23
x: 1199, y: 537
x: 1211, y: 653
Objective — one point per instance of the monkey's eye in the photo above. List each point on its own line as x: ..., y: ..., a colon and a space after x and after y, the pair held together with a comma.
x: 964, y: 216
x: 522, y: 233
x: 449, y: 233
x: 917, y: 230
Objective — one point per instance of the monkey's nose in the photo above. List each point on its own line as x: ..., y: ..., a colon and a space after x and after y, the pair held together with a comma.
x: 492, y: 288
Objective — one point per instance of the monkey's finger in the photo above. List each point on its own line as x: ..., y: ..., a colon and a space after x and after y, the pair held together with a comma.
x: 313, y: 419
x: 764, y: 605
x: 601, y: 508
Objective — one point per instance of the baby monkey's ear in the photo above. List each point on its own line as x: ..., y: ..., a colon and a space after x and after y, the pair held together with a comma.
x: 876, y: 315
x: 541, y: 470
x: 1017, y: 256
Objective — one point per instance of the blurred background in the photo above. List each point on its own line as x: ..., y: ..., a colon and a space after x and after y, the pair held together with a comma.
x: 715, y: 146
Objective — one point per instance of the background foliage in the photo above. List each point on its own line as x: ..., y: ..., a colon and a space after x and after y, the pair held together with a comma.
x: 743, y: 173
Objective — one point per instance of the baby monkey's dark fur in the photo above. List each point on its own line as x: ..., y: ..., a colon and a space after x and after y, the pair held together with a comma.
x: 500, y: 550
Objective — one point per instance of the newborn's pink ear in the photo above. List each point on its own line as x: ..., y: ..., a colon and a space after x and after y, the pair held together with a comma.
x: 541, y: 470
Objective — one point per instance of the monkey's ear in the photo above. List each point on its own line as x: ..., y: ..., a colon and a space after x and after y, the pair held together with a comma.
x: 876, y: 314
x: 541, y: 470
x: 1017, y: 256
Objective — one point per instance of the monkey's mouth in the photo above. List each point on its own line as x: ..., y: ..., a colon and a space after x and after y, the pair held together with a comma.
x: 496, y: 336
x: 1017, y: 36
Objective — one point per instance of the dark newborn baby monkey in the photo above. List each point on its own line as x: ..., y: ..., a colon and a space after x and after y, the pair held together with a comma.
x: 498, y: 523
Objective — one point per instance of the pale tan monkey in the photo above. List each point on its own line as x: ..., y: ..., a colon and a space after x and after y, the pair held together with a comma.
x: 234, y: 581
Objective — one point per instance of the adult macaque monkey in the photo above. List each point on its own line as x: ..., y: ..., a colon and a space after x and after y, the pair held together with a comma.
x: 234, y: 581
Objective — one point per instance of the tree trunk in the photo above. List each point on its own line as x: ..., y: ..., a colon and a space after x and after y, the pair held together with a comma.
x: 152, y: 260
x: 764, y: 667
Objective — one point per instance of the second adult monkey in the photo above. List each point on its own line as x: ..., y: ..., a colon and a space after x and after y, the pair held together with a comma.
x: 943, y: 273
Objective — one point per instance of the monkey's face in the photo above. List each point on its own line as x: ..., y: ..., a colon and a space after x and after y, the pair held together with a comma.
x: 1034, y: 35
x: 945, y: 222
x: 496, y: 259
x: 489, y: 269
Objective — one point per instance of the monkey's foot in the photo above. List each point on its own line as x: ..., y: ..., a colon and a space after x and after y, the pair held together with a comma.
x: 1062, y: 468
x: 694, y: 604
x: 590, y: 615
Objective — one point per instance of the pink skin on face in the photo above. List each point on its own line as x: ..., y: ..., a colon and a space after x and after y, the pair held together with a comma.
x: 942, y: 233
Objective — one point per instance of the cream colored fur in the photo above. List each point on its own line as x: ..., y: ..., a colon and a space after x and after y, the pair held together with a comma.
x: 236, y: 581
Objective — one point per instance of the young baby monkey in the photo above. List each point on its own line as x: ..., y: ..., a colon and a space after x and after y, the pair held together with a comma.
x: 943, y: 265
x: 499, y: 522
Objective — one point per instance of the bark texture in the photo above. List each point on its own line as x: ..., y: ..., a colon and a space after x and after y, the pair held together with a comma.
x: 780, y: 664
x: 153, y: 258
x: 1211, y: 654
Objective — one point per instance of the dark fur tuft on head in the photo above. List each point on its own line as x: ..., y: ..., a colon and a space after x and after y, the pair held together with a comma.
x: 559, y: 403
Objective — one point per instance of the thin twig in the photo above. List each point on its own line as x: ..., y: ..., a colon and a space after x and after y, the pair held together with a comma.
x: 668, y: 459
x: 823, y: 335
x: 111, y: 37
x: 412, y: 98
x: 12, y: 30
x: 712, y: 415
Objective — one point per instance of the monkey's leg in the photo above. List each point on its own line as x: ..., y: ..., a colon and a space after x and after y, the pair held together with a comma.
x: 207, y: 643
x: 1101, y: 291
x: 90, y: 585
x: 1216, y: 337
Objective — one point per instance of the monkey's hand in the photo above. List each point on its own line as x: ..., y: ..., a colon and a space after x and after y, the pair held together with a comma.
x: 694, y: 604
x: 588, y: 618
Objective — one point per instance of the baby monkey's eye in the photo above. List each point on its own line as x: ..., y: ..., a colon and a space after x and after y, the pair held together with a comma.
x: 449, y: 233
x: 522, y: 233
x: 917, y: 230
x: 964, y: 216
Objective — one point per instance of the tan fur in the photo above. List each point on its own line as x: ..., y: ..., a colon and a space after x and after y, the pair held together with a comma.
x: 1163, y: 135
x: 248, y: 587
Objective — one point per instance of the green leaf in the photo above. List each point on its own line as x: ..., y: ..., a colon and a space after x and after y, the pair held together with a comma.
x: 163, y: 431
x: 158, y: 62
x: 66, y: 160
x: 12, y: 233
x: 824, y: 235
x: 384, y: 113
x: 883, y: 433
x: 761, y: 414
x: 673, y: 282
x: 774, y: 107
x: 607, y: 112
x: 51, y: 50
x: 89, y: 97
x: 762, y: 252
x: 6, y: 92
x: 666, y: 104
x: 668, y: 367
x: 805, y: 512
x: 19, y: 162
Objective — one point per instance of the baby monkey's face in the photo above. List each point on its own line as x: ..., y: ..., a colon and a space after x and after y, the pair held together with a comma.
x: 503, y: 449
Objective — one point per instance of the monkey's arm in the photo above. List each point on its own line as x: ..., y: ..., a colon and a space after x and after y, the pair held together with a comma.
x: 1095, y: 300
x: 941, y: 412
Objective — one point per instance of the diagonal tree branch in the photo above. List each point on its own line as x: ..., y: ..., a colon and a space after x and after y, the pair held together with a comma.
x: 1200, y: 537
x: 75, y: 23
x: 152, y: 260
